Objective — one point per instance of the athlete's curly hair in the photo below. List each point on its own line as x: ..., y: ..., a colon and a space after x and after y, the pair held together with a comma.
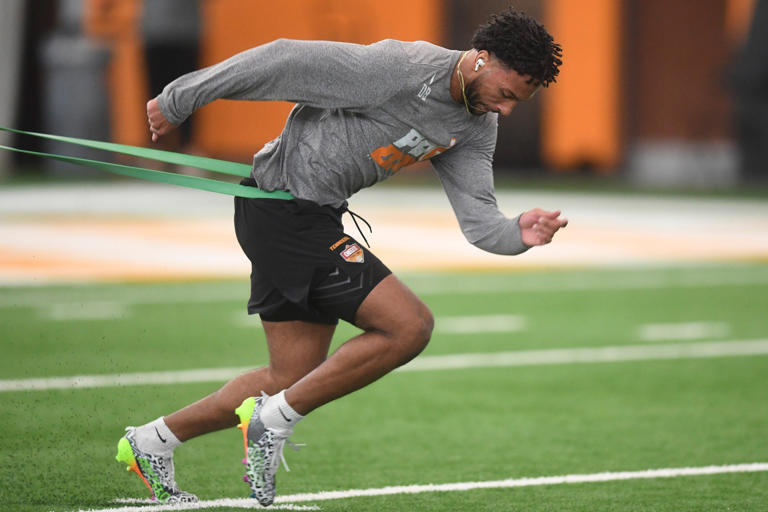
x: 521, y: 43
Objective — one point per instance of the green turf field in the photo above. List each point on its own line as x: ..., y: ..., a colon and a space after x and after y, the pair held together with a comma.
x: 485, y: 422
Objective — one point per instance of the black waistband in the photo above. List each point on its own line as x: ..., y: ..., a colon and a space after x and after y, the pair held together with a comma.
x: 250, y: 182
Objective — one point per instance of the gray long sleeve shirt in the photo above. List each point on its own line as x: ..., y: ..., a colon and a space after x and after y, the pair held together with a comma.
x: 362, y: 113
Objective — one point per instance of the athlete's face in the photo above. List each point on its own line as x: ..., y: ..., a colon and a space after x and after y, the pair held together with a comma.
x: 498, y: 88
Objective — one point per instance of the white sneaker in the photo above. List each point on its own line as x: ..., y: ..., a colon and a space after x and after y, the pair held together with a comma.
x: 156, y: 471
x: 263, y: 449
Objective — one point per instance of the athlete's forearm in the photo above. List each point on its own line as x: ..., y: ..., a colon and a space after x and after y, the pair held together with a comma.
x: 467, y: 177
x: 491, y: 231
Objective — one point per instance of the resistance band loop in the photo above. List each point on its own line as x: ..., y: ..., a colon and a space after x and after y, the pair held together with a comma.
x: 221, y: 187
x: 199, y: 162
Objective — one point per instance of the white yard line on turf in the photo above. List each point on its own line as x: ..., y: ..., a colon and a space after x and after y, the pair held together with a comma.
x: 479, y: 324
x: 683, y: 331
x: 101, y: 310
x: 423, y: 363
x: 149, y: 504
x: 590, y: 355
x: 527, y: 482
x: 453, y: 487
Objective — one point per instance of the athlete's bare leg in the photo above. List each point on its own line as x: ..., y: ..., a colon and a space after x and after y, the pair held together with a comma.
x: 295, y: 349
x: 397, y: 327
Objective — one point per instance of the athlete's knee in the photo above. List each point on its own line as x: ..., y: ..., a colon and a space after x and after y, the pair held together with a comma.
x: 424, y: 328
x: 393, y: 311
x: 415, y: 333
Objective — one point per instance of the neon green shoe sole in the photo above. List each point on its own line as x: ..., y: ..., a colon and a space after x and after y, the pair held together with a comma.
x: 155, y: 471
x: 125, y: 455
x: 244, y: 412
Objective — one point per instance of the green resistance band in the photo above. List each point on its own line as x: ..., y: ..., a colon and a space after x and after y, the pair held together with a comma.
x: 199, y: 162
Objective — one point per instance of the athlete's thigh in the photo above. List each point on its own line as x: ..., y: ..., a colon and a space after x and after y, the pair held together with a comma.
x: 391, y: 306
x: 295, y: 347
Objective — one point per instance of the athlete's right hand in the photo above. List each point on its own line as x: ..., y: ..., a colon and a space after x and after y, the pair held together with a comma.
x: 158, y: 124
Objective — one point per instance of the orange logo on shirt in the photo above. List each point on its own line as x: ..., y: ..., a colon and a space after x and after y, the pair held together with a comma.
x: 413, y: 147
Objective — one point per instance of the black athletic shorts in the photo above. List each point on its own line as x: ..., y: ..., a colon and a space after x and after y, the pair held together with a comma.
x: 303, y: 266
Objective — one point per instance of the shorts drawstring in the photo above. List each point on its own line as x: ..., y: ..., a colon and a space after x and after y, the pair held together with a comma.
x: 353, y: 215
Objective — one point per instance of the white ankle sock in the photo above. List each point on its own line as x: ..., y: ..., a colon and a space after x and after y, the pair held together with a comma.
x: 155, y: 437
x: 277, y: 414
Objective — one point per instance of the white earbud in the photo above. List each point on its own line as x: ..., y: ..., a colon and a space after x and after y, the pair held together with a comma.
x: 480, y: 63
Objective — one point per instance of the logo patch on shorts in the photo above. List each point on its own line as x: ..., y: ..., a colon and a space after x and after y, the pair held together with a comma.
x: 353, y: 253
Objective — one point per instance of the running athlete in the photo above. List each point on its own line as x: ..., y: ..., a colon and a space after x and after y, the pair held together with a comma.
x: 362, y: 114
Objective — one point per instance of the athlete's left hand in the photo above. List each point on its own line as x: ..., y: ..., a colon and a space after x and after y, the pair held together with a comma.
x: 538, y: 226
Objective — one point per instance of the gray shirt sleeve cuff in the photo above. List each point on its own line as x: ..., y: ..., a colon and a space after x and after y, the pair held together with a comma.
x: 506, y: 240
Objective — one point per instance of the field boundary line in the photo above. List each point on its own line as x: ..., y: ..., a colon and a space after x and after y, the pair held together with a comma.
x: 250, y: 503
x: 610, y: 354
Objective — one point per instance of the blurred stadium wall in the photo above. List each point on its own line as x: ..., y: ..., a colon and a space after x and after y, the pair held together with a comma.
x: 10, y: 56
x: 647, y: 89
